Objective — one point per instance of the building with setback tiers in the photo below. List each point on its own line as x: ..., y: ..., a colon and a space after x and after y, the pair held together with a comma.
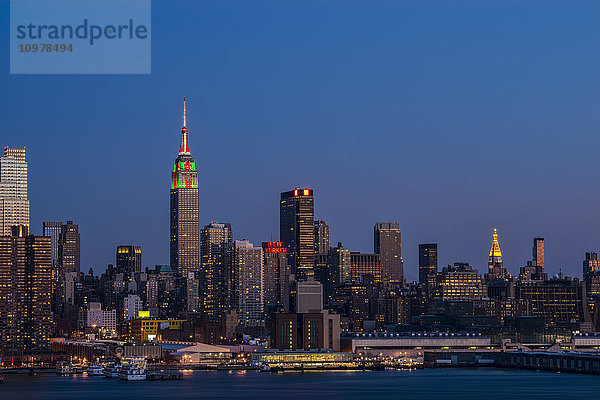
x: 185, y: 256
x: 14, y: 203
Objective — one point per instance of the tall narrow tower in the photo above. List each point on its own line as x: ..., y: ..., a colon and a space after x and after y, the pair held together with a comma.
x: 496, y: 270
x: 14, y: 203
x: 184, y: 209
x: 297, y: 229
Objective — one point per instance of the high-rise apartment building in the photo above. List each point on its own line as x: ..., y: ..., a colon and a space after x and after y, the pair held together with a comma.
x: 185, y: 216
x: 25, y: 291
x: 297, y: 229
x: 216, y: 270
x: 14, y: 204
x: 428, y: 262
x: 69, y: 248
x: 459, y: 282
x: 129, y: 259
x: 249, y: 284
x: 322, y: 238
x: 387, y: 243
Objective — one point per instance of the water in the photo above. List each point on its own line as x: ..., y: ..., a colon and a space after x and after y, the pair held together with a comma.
x: 444, y: 384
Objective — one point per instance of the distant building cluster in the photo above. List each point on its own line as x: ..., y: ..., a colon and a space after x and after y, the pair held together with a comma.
x: 302, y: 291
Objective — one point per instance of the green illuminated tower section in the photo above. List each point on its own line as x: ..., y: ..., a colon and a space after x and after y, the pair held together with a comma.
x: 184, y: 238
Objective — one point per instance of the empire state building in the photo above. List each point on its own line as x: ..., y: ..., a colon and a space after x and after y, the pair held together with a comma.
x: 184, y: 209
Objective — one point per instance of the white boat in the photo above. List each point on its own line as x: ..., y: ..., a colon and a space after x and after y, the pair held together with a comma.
x: 111, y: 371
x: 132, y: 374
x: 94, y: 370
x: 64, y: 368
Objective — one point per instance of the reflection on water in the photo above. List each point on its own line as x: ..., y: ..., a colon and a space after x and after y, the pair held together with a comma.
x: 416, y: 384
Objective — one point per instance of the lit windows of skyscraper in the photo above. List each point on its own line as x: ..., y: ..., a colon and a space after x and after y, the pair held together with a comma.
x: 184, y: 209
x: 69, y: 248
x: 216, y: 275
x: 129, y: 259
x: 276, y: 275
x: 428, y: 262
x: 249, y: 285
x: 322, y: 238
x: 14, y: 203
x: 297, y: 230
x: 387, y: 243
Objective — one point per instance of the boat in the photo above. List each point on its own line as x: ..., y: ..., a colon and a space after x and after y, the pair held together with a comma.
x: 132, y: 373
x: 94, y: 370
x: 64, y: 368
x: 111, y: 371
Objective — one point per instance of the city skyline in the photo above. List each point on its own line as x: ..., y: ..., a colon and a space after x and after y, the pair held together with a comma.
x: 464, y: 130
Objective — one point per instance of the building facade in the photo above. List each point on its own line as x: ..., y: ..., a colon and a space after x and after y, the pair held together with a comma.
x: 69, y: 248
x: 297, y: 229
x: 216, y: 270
x: 129, y: 259
x: 428, y: 262
x: 387, y: 243
x: 14, y: 203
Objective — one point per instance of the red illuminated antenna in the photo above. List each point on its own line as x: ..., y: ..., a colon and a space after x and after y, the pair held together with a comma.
x: 184, y: 148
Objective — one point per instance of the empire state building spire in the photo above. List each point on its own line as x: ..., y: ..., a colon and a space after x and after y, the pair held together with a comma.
x: 184, y: 148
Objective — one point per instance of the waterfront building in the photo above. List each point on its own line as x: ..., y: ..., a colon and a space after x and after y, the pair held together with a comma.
x: 387, y: 244
x: 249, y: 286
x: 459, y: 282
x: 184, y: 225
x: 216, y: 270
x: 276, y: 276
x: 411, y: 343
x: 496, y: 270
x: 14, y: 202
x: 428, y: 262
x: 297, y: 229
x: 129, y: 260
x: 319, y: 329
x: 69, y: 248
x: 25, y: 291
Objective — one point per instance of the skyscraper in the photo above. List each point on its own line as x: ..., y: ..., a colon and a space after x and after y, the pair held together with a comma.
x: 322, y: 238
x: 25, y: 290
x: 69, y: 248
x: 428, y: 262
x: 297, y: 230
x: 129, y: 259
x: 538, y: 253
x: 249, y: 284
x: 216, y: 271
x: 14, y: 204
x: 387, y: 243
x: 52, y: 230
x: 496, y: 269
x: 185, y: 256
x: 276, y: 276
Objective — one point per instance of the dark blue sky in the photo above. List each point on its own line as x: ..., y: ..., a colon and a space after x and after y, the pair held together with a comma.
x: 450, y: 117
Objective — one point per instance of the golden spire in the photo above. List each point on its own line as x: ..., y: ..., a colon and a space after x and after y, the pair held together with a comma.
x: 495, y: 250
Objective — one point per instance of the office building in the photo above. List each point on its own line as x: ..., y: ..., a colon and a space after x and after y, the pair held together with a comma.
x: 307, y: 331
x: 129, y: 260
x: 185, y: 256
x: 387, y: 243
x: 366, y: 265
x: 534, y: 270
x: 249, y: 285
x: 428, y: 262
x: 14, y: 203
x: 216, y: 270
x: 25, y: 291
x: 496, y: 269
x: 69, y: 248
x: 338, y: 271
x: 297, y: 229
x: 459, y: 282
